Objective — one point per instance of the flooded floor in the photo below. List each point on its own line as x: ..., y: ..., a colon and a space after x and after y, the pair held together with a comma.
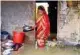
x: 28, y: 49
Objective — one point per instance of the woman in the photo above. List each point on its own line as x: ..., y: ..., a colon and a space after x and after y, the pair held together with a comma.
x: 43, y: 26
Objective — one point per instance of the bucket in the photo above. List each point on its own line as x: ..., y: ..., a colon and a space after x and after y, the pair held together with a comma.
x: 18, y: 37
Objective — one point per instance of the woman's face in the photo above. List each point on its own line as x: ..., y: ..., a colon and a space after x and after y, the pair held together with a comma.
x: 40, y: 12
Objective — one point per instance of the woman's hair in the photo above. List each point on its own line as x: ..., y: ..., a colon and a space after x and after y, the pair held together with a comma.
x: 41, y: 8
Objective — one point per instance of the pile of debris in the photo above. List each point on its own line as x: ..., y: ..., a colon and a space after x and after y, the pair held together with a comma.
x: 6, y: 43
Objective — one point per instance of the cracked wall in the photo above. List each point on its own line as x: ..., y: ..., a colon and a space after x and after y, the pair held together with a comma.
x: 68, y: 23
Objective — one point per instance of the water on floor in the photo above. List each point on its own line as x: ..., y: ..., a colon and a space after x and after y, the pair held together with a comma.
x: 29, y: 49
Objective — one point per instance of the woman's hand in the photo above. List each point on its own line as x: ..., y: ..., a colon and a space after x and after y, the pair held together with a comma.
x: 34, y: 27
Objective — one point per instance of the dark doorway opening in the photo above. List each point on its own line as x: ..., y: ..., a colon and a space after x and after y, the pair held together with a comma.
x: 52, y: 10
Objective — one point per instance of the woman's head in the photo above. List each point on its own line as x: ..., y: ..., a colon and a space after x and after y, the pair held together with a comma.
x: 41, y: 10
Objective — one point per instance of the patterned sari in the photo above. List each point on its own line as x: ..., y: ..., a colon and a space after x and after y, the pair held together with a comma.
x: 43, y: 27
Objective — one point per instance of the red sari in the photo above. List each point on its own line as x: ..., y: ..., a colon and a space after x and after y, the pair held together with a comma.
x: 43, y: 27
